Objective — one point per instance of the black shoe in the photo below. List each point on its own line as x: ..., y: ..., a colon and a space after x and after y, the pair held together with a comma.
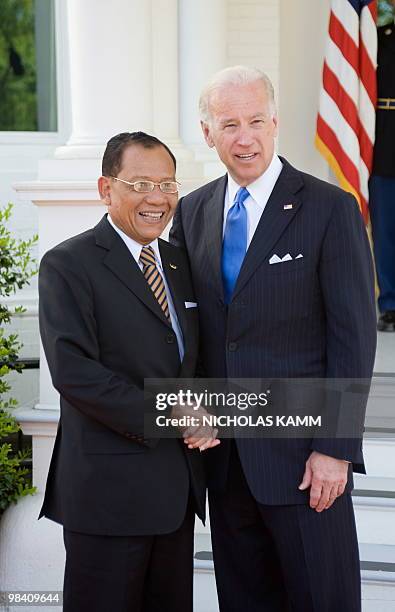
x: 386, y: 321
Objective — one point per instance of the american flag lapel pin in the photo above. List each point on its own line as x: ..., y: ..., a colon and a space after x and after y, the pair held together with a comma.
x: 288, y: 206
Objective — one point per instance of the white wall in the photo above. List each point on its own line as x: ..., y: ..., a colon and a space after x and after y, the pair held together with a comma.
x: 303, y: 28
x: 19, y: 162
x: 254, y: 35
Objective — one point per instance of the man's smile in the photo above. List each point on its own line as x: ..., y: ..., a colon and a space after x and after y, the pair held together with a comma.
x: 152, y: 216
x: 246, y: 156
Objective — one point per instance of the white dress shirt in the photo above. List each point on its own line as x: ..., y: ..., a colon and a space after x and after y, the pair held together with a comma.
x: 259, y: 191
x: 135, y: 249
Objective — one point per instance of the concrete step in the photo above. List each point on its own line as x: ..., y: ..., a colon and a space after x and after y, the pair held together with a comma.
x: 375, y: 516
x: 378, y: 577
x: 382, y: 394
x: 385, y: 362
x: 379, y: 452
x: 377, y: 573
x: 365, y: 482
x: 205, y: 593
x: 374, y: 493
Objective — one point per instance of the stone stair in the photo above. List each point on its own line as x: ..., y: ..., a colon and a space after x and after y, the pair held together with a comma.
x: 374, y: 493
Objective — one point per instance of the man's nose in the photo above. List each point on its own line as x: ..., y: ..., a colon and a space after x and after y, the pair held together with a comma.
x: 156, y: 196
x: 244, y: 136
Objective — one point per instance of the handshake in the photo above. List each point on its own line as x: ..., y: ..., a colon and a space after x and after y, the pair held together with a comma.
x: 198, y: 435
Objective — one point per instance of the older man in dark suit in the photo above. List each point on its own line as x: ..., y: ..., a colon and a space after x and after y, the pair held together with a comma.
x: 115, y: 309
x: 283, y: 276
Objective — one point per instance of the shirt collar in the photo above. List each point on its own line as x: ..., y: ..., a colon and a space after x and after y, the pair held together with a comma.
x: 261, y: 188
x: 134, y: 246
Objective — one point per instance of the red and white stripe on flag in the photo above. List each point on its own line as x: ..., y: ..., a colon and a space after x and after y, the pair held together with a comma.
x: 347, y: 107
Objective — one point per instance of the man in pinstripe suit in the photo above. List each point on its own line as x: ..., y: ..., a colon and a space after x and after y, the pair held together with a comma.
x: 299, y: 302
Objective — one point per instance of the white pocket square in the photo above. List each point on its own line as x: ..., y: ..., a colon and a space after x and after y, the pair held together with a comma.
x: 275, y: 259
x: 190, y: 304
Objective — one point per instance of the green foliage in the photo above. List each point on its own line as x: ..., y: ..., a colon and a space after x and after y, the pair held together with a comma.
x: 385, y: 12
x: 18, y: 100
x: 14, y: 481
x: 16, y: 268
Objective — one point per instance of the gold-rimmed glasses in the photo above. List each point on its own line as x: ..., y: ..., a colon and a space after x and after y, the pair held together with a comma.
x: 148, y: 186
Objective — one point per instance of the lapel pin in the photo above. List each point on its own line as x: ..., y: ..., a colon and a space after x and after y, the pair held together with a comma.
x: 288, y: 206
x: 173, y: 266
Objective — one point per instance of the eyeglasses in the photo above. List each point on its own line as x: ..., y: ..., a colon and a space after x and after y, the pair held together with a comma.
x: 148, y: 186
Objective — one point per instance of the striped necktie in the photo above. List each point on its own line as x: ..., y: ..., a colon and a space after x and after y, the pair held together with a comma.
x: 154, y: 278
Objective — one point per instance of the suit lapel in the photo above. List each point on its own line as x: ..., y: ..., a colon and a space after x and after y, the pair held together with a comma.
x: 121, y: 263
x: 213, y: 225
x: 273, y: 222
x: 172, y: 267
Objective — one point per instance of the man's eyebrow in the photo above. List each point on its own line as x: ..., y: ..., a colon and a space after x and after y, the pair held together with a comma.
x: 142, y: 177
x: 234, y: 120
x: 227, y: 120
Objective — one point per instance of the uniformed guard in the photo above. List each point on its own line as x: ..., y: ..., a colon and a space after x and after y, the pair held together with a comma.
x: 382, y: 181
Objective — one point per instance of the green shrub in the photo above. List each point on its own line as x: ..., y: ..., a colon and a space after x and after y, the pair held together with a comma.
x: 16, y: 268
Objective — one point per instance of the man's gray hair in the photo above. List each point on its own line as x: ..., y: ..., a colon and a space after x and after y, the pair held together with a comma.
x: 235, y: 75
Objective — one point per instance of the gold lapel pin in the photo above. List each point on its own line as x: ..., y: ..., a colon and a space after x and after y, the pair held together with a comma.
x: 173, y: 266
x: 288, y: 206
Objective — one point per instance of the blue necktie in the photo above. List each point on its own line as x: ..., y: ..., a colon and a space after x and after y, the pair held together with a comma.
x: 235, y: 243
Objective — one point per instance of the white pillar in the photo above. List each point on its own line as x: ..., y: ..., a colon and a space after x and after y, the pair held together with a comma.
x: 165, y: 75
x: 165, y: 69
x: 110, y: 72
x: 203, y: 35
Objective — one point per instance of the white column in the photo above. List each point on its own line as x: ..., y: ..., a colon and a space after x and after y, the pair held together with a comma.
x: 165, y: 70
x: 203, y: 35
x: 110, y: 72
x: 165, y: 75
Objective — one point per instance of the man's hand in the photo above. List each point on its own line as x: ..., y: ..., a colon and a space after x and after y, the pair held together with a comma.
x: 198, y: 436
x: 203, y: 443
x: 327, y: 477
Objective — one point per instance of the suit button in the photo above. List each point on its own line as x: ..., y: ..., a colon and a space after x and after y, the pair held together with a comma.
x: 232, y: 346
x: 170, y: 339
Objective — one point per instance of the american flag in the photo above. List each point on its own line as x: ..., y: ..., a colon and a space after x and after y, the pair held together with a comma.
x: 346, y: 116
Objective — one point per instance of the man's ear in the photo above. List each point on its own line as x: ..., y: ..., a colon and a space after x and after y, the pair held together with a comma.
x: 206, y: 133
x: 275, y: 121
x: 104, y: 187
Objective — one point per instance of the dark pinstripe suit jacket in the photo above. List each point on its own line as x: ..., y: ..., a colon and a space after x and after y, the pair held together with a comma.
x: 310, y: 317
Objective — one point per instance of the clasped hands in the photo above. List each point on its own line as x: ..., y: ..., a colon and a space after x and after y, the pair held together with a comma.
x: 198, y: 435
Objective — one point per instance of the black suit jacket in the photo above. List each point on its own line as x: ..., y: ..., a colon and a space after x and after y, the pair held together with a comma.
x: 309, y: 317
x: 103, y: 332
